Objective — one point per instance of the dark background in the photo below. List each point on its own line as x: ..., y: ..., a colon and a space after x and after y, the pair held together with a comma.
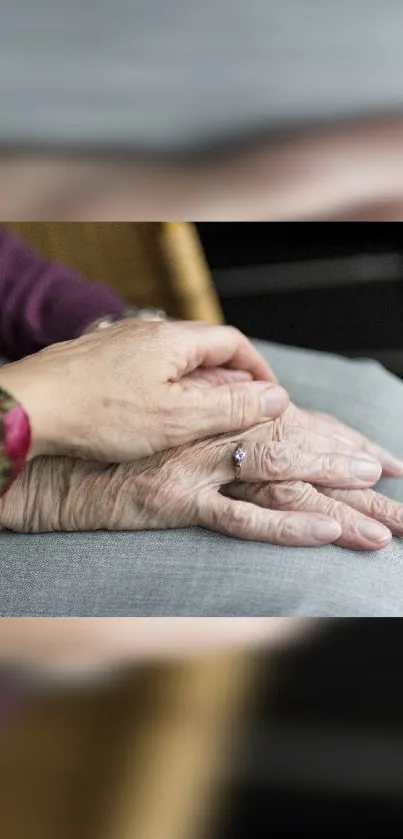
x: 330, y: 286
x: 322, y: 754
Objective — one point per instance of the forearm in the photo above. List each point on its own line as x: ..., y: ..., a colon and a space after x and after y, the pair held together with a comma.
x: 43, y: 302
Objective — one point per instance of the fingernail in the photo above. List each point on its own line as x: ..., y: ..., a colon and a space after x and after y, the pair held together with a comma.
x: 273, y: 401
x: 325, y: 531
x: 374, y: 532
x: 367, y: 470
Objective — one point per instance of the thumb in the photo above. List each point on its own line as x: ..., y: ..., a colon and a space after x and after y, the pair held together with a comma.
x: 208, y: 376
x: 231, y: 407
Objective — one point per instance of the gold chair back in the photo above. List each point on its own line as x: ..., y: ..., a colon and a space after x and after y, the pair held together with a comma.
x: 158, y: 264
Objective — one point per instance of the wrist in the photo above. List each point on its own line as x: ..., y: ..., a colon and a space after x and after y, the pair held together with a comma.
x: 18, y: 380
x: 128, y: 312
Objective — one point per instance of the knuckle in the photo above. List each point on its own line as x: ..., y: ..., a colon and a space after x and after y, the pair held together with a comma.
x: 233, y: 330
x: 381, y: 507
x: 236, y: 518
x: 272, y: 461
x: 289, y: 529
x: 332, y: 466
x: 279, y: 426
x: 336, y: 505
x: 241, y: 412
x: 286, y: 494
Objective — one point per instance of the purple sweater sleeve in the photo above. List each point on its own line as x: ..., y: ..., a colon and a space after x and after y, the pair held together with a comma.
x: 44, y: 302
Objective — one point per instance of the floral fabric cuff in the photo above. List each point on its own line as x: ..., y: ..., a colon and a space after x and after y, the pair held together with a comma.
x: 15, y: 439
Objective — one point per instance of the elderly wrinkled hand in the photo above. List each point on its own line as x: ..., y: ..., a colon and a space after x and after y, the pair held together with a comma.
x: 367, y: 518
x: 194, y: 485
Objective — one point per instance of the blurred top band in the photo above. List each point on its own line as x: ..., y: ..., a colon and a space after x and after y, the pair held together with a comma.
x: 176, y: 76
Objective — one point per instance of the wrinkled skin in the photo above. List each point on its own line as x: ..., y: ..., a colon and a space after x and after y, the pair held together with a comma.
x: 300, y: 471
x: 123, y: 393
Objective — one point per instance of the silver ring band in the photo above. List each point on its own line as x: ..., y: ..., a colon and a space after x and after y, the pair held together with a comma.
x: 238, y: 458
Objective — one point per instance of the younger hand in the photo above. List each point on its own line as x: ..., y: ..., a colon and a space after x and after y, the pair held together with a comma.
x: 126, y: 392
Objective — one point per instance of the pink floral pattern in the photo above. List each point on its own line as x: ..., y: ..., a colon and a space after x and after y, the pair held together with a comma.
x: 15, y: 439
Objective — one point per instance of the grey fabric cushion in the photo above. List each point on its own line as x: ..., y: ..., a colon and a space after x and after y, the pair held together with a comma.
x: 174, y: 75
x: 196, y: 572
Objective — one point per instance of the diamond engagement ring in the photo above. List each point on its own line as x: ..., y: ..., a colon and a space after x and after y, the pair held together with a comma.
x: 238, y: 458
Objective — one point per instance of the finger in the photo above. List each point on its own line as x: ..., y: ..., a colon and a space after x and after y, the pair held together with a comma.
x: 215, y: 346
x: 358, y: 444
x: 320, y: 443
x: 200, y: 411
x: 248, y: 521
x: 391, y: 466
x: 372, y: 504
x: 358, y: 531
x: 282, y: 462
x: 215, y: 376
